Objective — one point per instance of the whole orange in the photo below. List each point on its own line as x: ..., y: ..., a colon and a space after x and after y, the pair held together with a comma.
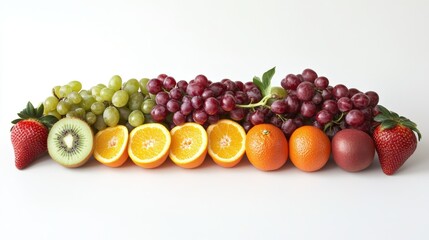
x: 266, y: 147
x: 309, y: 148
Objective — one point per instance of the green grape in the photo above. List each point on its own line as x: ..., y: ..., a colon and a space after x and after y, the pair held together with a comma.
x: 72, y: 114
x: 143, y: 83
x: 95, y: 91
x: 75, y: 85
x: 135, y: 101
x: 74, y: 107
x: 74, y: 97
x: 101, y: 85
x: 67, y: 100
x: 148, y: 105
x: 64, y: 91
x: 63, y: 107
x: 152, y: 96
x: 115, y: 83
x: 278, y: 92
x: 99, y: 123
x: 97, y: 108
x: 56, y: 91
x: 124, y: 112
x: 87, y: 102
x: 99, y: 99
x: 136, y: 118
x: 106, y: 94
x: 55, y: 114
x: 80, y: 113
x: 90, y: 118
x: 50, y: 103
x: 132, y: 86
x: 120, y: 98
x: 84, y: 93
x: 111, y: 116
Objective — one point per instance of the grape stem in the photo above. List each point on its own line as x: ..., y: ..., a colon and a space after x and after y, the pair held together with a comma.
x: 263, y: 102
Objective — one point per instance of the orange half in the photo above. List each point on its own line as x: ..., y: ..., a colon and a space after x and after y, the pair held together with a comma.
x: 227, y: 142
x: 188, y: 145
x: 111, y: 145
x: 149, y: 145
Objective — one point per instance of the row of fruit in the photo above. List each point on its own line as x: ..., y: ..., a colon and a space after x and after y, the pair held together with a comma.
x: 306, y: 118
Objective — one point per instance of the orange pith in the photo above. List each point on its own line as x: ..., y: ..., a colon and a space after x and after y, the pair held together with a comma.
x: 110, y: 146
x: 149, y: 145
x: 188, y: 145
x: 226, y: 142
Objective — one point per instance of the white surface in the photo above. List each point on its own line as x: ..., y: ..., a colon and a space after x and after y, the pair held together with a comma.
x: 371, y: 45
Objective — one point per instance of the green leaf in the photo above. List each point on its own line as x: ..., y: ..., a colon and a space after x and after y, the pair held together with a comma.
x: 394, y: 115
x: 408, y: 123
x: 23, y: 115
x: 418, y: 132
x: 259, y: 84
x: 381, y: 118
x: 384, y: 110
x: 48, y: 120
x: 16, y: 121
x: 388, y: 124
x: 30, y: 109
x: 267, y: 76
x: 39, y: 111
x: 256, y: 79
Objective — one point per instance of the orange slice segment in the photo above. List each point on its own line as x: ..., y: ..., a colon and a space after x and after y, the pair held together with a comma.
x: 149, y: 145
x: 188, y: 145
x: 227, y: 142
x: 110, y: 146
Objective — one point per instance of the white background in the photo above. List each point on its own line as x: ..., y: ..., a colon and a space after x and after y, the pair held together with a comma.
x: 370, y: 45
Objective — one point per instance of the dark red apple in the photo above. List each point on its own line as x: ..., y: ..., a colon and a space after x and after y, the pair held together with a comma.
x: 353, y: 150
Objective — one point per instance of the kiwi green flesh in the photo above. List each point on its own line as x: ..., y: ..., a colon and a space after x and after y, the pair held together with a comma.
x: 71, y: 142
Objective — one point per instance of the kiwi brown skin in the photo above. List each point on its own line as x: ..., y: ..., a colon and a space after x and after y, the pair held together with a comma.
x: 85, y: 160
x: 353, y: 150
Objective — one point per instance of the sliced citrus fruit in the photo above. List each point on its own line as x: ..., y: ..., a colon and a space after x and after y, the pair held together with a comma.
x: 188, y: 145
x: 227, y: 142
x: 149, y: 145
x: 111, y: 145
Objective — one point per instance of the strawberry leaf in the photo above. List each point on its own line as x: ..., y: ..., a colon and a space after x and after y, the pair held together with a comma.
x: 381, y: 118
x: 383, y: 110
x: 39, y: 111
x: 388, y: 124
x: 30, y: 109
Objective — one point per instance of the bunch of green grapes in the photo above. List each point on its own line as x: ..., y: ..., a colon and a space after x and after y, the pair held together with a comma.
x: 126, y: 103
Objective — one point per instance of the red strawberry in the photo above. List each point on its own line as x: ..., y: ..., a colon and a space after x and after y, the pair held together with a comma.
x: 394, y: 139
x: 29, y: 135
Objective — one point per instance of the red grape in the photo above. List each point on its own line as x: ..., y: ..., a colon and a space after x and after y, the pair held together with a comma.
x: 309, y: 75
x: 355, y: 118
x: 345, y: 104
x: 305, y: 91
x: 154, y: 86
x: 211, y: 106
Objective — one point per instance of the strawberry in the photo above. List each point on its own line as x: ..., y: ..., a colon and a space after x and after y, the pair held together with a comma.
x: 29, y: 135
x: 394, y: 139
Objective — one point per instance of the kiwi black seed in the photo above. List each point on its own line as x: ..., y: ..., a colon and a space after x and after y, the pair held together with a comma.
x: 71, y: 142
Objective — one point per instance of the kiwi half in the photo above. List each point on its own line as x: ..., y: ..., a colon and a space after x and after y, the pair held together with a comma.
x: 71, y: 142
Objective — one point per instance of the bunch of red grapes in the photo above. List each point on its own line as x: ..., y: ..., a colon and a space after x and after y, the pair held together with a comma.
x: 304, y: 99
